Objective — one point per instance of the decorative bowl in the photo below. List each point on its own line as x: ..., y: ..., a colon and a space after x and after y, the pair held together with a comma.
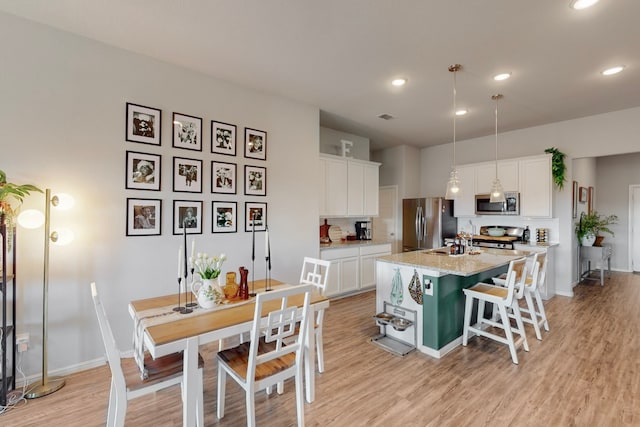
x: 495, y: 232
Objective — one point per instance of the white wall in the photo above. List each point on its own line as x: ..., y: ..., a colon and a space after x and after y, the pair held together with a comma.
x: 605, y: 134
x: 62, y: 112
x: 331, y: 143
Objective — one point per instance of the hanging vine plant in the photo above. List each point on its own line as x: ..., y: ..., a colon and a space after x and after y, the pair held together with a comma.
x: 557, y: 166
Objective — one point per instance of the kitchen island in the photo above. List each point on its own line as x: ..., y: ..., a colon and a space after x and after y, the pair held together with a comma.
x: 439, y: 319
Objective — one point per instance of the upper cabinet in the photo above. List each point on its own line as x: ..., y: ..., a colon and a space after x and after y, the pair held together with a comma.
x: 530, y: 176
x: 348, y: 187
x: 536, y: 187
x: 507, y: 173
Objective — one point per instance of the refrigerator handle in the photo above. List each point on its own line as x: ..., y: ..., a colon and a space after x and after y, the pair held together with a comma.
x: 424, y: 228
x: 418, y: 224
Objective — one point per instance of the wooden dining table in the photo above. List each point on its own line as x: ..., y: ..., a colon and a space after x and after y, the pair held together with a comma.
x: 186, y: 333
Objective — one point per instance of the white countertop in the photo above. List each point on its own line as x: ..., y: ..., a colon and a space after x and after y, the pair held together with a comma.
x: 351, y: 244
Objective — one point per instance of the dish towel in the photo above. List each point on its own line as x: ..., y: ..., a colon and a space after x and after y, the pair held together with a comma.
x: 396, y: 288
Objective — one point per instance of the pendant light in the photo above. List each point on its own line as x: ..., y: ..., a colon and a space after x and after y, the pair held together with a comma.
x: 453, y: 185
x: 497, y: 193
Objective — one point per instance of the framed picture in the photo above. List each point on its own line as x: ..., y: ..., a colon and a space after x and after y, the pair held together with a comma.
x: 255, y: 211
x: 255, y: 181
x: 187, y: 213
x: 224, y: 217
x: 144, y: 217
x: 574, y: 199
x: 143, y: 171
x: 187, y: 132
x: 143, y: 124
x: 223, y: 138
x: 223, y: 177
x: 255, y: 144
x: 584, y: 193
x: 187, y: 175
x: 590, y: 200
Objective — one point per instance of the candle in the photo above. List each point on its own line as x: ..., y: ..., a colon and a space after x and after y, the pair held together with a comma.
x: 253, y: 236
x: 184, y: 234
x: 180, y: 262
x: 193, y: 248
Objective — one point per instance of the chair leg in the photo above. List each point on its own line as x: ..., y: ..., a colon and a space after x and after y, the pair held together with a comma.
x: 251, y: 407
x: 299, y: 396
x: 507, y: 331
x: 533, y: 314
x: 520, y: 325
x: 543, y: 314
x: 113, y: 403
x: 222, y: 383
x: 480, y: 314
x: 320, y: 349
x: 468, y: 306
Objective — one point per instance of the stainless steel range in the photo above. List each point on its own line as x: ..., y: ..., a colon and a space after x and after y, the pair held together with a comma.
x: 511, y: 235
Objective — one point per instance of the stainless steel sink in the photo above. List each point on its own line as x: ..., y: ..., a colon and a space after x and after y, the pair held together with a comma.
x: 436, y: 252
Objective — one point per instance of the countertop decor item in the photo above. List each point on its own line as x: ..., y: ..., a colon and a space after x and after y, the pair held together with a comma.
x: 335, y: 233
x: 495, y: 232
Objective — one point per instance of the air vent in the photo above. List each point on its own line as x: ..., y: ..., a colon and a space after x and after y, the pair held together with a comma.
x: 385, y: 116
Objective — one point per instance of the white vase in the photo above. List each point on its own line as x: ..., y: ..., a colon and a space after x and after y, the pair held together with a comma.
x: 207, y: 292
x: 588, y: 239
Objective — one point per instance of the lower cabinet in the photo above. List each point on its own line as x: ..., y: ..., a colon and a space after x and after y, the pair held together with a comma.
x: 352, y: 269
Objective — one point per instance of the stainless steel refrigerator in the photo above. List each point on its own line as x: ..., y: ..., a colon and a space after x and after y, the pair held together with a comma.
x: 426, y: 222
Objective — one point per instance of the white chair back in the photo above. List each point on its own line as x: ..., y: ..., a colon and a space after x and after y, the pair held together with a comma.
x: 516, y: 276
x: 113, y: 354
x: 315, y: 272
x: 280, y: 325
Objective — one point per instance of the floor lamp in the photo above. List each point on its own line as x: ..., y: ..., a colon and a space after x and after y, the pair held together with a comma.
x: 47, y: 385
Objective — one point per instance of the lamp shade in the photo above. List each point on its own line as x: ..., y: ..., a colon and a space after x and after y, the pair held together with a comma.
x: 31, y: 218
x: 62, y: 236
x: 453, y: 186
x: 497, y: 193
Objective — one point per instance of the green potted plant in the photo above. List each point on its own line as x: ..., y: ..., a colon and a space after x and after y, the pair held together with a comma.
x: 591, y: 224
x: 10, y: 190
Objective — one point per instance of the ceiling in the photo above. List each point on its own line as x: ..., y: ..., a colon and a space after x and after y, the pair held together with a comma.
x: 340, y: 55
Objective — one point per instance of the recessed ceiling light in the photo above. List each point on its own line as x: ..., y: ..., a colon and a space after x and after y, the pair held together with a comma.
x: 613, y: 70
x: 581, y: 4
x: 462, y: 112
x: 501, y: 76
x: 399, y: 82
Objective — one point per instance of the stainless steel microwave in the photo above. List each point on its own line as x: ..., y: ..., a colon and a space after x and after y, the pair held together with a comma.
x: 511, y: 205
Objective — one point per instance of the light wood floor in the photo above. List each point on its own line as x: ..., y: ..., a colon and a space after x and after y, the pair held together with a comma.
x: 585, y: 372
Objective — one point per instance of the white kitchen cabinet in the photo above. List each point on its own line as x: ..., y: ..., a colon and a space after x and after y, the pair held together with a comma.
x: 353, y: 268
x: 344, y: 272
x: 335, y: 188
x: 349, y: 187
x: 535, y: 187
x: 368, y: 255
x: 464, y: 205
x: 507, y: 174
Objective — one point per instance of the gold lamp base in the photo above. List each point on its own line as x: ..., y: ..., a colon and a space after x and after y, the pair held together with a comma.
x: 52, y: 385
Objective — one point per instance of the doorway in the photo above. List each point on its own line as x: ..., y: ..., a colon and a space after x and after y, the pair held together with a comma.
x: 385, y: 225
x: 634, y: 228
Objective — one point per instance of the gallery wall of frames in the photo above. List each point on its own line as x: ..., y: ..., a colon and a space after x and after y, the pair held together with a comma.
x: 143, y: 171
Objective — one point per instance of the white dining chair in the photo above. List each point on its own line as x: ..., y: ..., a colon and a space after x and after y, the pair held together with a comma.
x: 534, y: 313
x: 504, y: 298
x: 126, y: 381
x: 316, y: 272
x: 266, y: 360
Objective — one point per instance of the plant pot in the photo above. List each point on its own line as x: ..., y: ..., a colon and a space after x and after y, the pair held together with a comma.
x: 207, y: 292
x: 588, y: 239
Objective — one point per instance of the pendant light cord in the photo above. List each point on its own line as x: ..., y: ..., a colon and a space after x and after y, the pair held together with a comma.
x: 454, y: 118
x: 496, y: 97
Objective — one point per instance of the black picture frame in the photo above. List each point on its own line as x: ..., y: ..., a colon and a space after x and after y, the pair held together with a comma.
x: 187, y: 175
x: 255, y: 144
x: 144, y: 217
x: 224, y: 217
x: 187, y: 132
x: 261, y: 221
x: 143, y: 124
x: 189, y: 211
x: 255, y: 180
x: 224, y: 177
x: 223, y: 138
x: 574, y: 199
x: 143, y: 171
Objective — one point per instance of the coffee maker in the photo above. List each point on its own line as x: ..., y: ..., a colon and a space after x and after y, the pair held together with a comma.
x: 363, y: 230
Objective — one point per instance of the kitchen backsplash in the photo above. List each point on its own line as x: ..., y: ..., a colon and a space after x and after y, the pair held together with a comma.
x: 550, y: 224
x: 347, y: 225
